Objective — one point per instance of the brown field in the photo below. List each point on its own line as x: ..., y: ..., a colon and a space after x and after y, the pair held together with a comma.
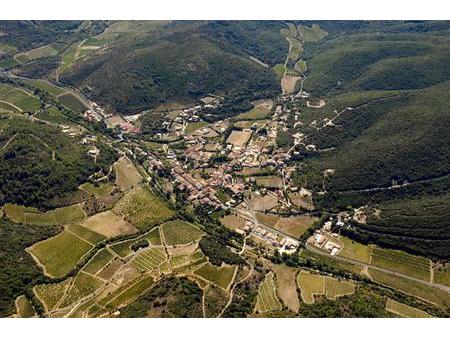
x: 295, y: 226
x: 109, y: 225
x: 287, y: 286
x: 304, y: 202
x: 239, y: 138
x: 233, y: 222
x: 127, y: 175
x: 271, y: 182
x: 288, y: 83
x: 113, y: 121
x: 267, y: 219
x: 264, y: 203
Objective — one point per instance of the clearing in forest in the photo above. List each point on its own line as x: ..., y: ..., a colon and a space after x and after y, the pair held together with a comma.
x: 310, y: 285
x: 267, y: 300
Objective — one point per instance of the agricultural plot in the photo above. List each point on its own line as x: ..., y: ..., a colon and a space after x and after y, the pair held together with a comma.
x: 258, y: 113
x: 215, y: 301
x: 219, y: 276
x: 72, y: 102
x: 310, y: 286
x: 82, y: 286
x: 27, y: 215
x: 51, y: 294
x: 8, y: 108
x: 110, y: 269
x: 153, y: 237
x: 287, y: 286
x: 295, y: 226
x: 127, y: 175
x: 143, y: 209
x: 404, y: 310
x: 37, y: 53
x: 335, y: 288
x: 302, y: 201
x: 233, y: 222
x: 98, y: 191
x: 193, y: 126
x: 267, y: 219
x: 271, y: 182
x: 262, y: 203
x: 442, y: 275
x: 149, y: 259
x: 24, y: 307
x: 70, y: 214
x: 182, y: 260
x: 131, y: 293
x: 48, y: 87
x: 394, y: 260
x: 109, y: 225
x: 85, y: 234
x: 429, y: 293
x: 267, y: 300
x: 20, y: 98
x: 354, y: 250
x: 99, y: 261
x: 180, y: 232
x: 123, y: 248
x: 60, y: 254
x: 239, y: 138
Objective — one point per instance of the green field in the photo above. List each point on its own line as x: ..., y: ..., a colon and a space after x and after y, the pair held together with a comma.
x: 24, y: 307
x: 279, y: 69
x: 19, y: 97
x: 193, y: 126
x: 83, y: 286
x: 143, y: 209
x: 132, y: 292
x: 394, y: 260
x: 310, y: 285
x: 271, y: 182
x: 99, y: 261
x: 442, y: 275
x: 50, y: 294
x: 153, y: 237
x: 267, y: 300
x: 70, y: 214
x: 431, y: 294
x: 123, y: 248
x: 180, y: 232
x: 65, y: 215
x: 404, y: 310
x: 354, y: 250
x: 37, y: 53
x: 48, y: 87
x: 149, y: 259
x: 60, y: 254
x: 86, y: 234
x: 98, y: 191
x: 72, y: 102
x: 335, y: 288
x: 8, y: 108
x: 221, y: 277
x: 257, y: 113
x: 312, y: 34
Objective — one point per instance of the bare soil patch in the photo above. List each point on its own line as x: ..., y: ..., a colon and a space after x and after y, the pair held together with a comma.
x: 288, y: 83
x: 287, y: 286
x: 109, y: 225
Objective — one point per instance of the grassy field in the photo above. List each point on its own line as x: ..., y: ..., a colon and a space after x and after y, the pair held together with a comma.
x: 153, y: 237
x: 48, y: 87
x: 127, y: 175
x: 84, y: 233
x: 404, y: 310
x: 132, y: 292
x: 257, y: 113
x: 271, y: 182
x: 72, y: 102
x: 312, y: 34
x: 60, y: 254
x: 394, y: 260
x: 295, y: 226
x: 70, y: 214
x: 99, y: 261
x: 193, y: 126
x: 287, y: 286
x: 143, y: 209
x: 65, y: 215
x: 221, y: 277
x: 24, y: 307
x: 37, y: 53
x: 431, y: 294
x: 98, y: 191
x: 83, y: 286
x: 50, y: 294
x: 123, y: 248
x: 19, y: 98
x: 267, y: 219
x: 354, y: 250
x: 442, y: 275
x: 109, y: 225
x: 180, y: 232
x: 149, y: 259
x: 267, y: 300
x: 310, y: 285
x: 335, y: 288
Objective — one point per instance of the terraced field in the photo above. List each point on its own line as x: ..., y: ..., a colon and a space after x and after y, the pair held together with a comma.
x: 415, y: 266
x: 267, y: 300
x: 59, y: 255
x: 442, y: 275
x: 180, y: 232
x: 221, y: 277
x: 50, y: 294
x: 310, y: 285
x: 404, y: 310
x: 335, y: 288
x: 149, y: 259
x: 19, y: 98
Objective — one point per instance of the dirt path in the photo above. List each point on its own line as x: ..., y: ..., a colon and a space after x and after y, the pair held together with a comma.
x: 12, y: 105
x: 9, y: 141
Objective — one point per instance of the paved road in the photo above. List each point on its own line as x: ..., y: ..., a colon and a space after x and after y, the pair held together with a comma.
x: 348, y: 260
